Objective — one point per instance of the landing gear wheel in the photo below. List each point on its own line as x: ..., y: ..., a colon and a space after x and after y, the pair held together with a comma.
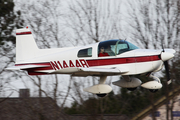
x: 153, y: 90
x: 101, y: 95
x: 132, y: 89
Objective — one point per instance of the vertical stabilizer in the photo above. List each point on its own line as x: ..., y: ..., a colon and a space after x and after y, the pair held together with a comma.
x: 25, y: 45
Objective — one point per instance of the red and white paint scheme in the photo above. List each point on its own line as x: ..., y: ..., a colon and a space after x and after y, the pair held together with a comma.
x: 106, y: 58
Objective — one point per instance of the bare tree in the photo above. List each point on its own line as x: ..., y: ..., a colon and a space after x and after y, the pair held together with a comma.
x: 93, y: 21
x: 10, y: 19
x: 155, y: 24
x: 44, y: 18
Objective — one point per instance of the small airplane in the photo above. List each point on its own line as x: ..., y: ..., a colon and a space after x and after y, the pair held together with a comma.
x: 106, y: 58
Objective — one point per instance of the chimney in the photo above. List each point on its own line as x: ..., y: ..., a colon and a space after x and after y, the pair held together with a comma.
x: 24, y: 93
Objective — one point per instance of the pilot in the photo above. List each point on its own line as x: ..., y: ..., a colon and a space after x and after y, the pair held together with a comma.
x: 109, y: 51
x: 102, y: 53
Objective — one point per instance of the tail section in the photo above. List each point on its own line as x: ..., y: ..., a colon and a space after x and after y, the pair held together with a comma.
x: 25, y: 45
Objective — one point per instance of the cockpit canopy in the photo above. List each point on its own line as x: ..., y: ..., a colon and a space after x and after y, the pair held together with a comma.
x: 114, y: 47
x: 108, y: 48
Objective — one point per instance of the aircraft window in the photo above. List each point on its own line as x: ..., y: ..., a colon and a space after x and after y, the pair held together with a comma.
x: 132, y: 47
x: 85, y: 52
x: 107, y: 48
x: 124, y: 46
x: 114, y: 47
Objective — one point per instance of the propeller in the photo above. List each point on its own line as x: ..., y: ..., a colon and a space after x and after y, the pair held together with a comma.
x: 166, y: 65
x: 167, y: 72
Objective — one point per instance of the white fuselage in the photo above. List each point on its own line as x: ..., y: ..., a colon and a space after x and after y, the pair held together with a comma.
x: 64, y: 60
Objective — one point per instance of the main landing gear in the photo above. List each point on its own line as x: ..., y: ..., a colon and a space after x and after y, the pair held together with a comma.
x: 131, y: 83
x: 153, y: 86
x: 101, y: 89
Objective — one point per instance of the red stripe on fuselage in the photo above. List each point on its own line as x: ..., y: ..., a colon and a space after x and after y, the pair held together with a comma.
x: 23, y: 33
x: 98, y: 62
x: 113, y: 61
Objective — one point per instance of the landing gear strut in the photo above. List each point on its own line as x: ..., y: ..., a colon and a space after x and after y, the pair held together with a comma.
x: 101, y: 89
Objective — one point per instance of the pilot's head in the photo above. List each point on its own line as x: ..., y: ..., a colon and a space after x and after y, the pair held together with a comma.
x: 102, y: 49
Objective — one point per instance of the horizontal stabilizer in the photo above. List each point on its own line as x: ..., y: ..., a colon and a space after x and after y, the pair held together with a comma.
x: 22, y: 67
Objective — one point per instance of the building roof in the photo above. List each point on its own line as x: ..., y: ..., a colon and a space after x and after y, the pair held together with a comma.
x: 32, y: 108
x: 25, y: 107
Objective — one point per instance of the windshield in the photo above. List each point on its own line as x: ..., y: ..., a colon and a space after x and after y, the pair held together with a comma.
x: 124, y: 46
x: 114, y: 47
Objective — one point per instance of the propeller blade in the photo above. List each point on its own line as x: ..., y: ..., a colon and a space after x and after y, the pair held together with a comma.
x: 162, y: 46
x: 168, y: 56
x: 167, y: 72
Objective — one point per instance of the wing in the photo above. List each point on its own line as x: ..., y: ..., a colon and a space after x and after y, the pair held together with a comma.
x: 105, y: 70
x: 75, y: 71
x: 93, y: 71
